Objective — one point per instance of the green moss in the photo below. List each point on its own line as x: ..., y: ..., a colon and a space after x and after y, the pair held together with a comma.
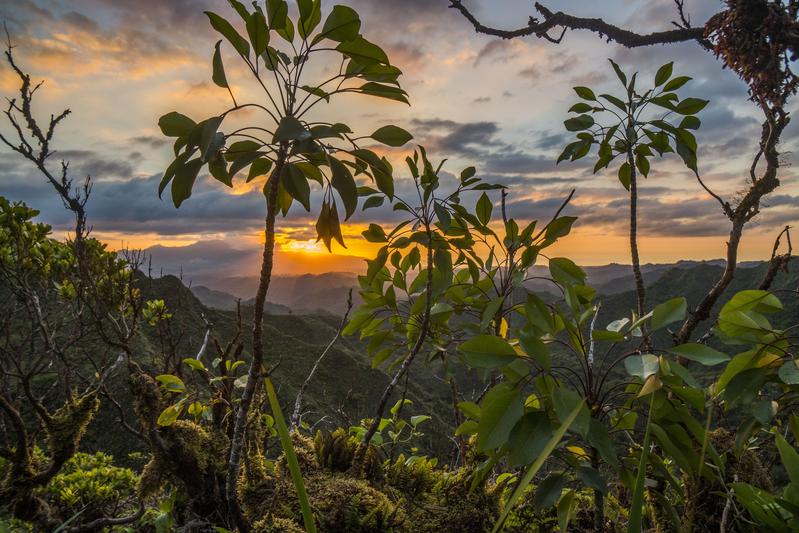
x: 457, y: 505
x: 412, y: 478
x: 336, y: 451
x: 68, y: 424
x: 276, y: 525
x: 346, y: 504
x: 92, y: 485
x: 705, y: 500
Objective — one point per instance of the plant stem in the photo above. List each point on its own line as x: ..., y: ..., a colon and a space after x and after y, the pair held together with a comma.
x: 640, y: 293
x: 417, y: 347
x: 254, y: 372
x: 599, y: 498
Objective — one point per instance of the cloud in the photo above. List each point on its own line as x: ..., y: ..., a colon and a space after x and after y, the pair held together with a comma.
x: 469, y: 139
x: 496, y: 50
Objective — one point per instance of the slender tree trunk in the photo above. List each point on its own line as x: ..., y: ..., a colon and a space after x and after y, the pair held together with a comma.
x: 254, y: 372
x: 381, y: 406
x: 640, y: 292
x: 599, y: 498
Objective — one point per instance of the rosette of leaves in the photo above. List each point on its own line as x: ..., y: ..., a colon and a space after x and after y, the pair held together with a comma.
x: 285, y: 143
x: 635, y: 125
x: 419, y: 261
x: 555, y: 361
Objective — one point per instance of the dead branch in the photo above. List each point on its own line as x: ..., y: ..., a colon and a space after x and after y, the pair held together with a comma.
x: 778, y: 262
x: 295, y: 416
x: 549, y: 21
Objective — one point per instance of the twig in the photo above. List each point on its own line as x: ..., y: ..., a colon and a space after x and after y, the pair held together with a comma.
x: 295, y: 416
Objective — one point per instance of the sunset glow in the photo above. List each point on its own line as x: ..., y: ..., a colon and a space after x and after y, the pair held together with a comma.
x: 494, y: 104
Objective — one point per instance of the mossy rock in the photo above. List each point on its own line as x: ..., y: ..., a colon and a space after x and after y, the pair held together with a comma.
x: 272, y: 524
x: 346, y: 504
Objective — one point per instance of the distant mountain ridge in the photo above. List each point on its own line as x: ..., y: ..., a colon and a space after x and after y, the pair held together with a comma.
x: 303, y: 294
x: 313, y: 293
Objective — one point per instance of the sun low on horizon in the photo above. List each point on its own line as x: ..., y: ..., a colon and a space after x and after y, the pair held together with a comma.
x: 475, y: 100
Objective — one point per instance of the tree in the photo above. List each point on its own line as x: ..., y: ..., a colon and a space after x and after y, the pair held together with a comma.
x: 68, y: 313
x: 630, y: 126
x: 755, y: 39
x: 287, y: 147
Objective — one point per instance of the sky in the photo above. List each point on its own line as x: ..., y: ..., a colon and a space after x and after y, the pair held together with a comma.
x: 475, y: 100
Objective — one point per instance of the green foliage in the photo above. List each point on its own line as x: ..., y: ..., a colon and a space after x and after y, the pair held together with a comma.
x: 291, y: 458
x: 635, y: 125
x: 291, y: 149
x: 91, y: 483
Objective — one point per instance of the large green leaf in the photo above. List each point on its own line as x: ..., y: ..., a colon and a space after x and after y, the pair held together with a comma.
x: 310, y: 16
x: 229, y: 32
x: 362, y: 51
x: 642, y: 366
x: 483, y: 209
x: 290, y: 129
x: 384, y: 91
x: 392, y: 136
x: 566, y: 272
x: 342, y: 24
x: 535, y: 467
x: 599, y: 438
x: 528, y: 438
x: 296, y: 184
x: 500, y: 410
x: 579, y: 123
x: 184, y: 179
x: 175, y: 124
x: 700, y: 353
x: 487, y: 351
x: 258, y: 32
x: 344, y: 183
x: 691, y: 106
x: 668, y: 312
x: 548, y: 491
x: 664, y: 73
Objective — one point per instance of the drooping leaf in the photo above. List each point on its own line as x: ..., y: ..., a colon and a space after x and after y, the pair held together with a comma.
x: 296, y: 184
x: 483, y: 209
x: 184, y: 179
x: 344, y: 183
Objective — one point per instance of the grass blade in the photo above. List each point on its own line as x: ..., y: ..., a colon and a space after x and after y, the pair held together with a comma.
x: 536, y: 466
x: 637, y: 506
x: 291, y: 457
